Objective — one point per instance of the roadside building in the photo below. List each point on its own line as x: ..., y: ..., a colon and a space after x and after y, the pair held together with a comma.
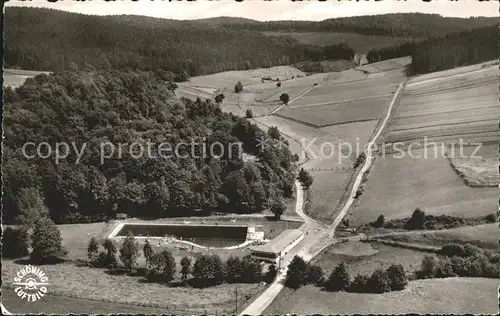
x: 274, y: 250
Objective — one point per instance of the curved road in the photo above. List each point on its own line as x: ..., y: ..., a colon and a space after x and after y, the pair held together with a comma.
x: 318, y: 235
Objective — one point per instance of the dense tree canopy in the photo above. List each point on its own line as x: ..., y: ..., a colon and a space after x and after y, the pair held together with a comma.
x: 399, y: 24
x: 95, y: 112
x: 453, y: 50
x: 43, y: 39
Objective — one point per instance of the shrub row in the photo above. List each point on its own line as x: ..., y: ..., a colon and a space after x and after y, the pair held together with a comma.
x: 301, y: 273
x: 207, y: 270
x: 419, y: 220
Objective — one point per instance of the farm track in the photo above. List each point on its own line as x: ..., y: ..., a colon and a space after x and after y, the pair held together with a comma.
x: 318, y: 237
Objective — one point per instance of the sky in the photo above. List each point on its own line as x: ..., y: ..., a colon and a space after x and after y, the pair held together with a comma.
x: 266, y: 11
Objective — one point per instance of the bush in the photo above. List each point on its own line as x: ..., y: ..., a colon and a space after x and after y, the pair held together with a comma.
x: 234, y: 269
x: 109, y: 258
x: 491, y: 218
x: 238, y: 87
x: 129, y: 252
x: 427, y: 268
x: 148, y: 251
x: 185, y: 268
x: 251, y: 270
x: 450, y: 250
x: 271, y: 273
x: 305, y: 178
x: 219, y: 98
x: 285, y: 98
x: 208, y: 270
x: 274, y: 132
x: 161, y: 267
x: 15, y: 242
x: 92, y: 249
x: 278, y: 208
x: 339, y: 279
x: 315, y: 275
x: 248, y: 113
x: 379, y: 222
x: 278, y: 84
x: 47, y: 242
x: 379, y: 282
x: 417, y: 220
x: 359, y: 284
x: 296, y: 274
x: 444, y: 268
x: 397, y: 277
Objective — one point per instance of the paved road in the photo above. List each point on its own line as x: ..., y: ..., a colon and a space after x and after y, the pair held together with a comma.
x: 318, y: 235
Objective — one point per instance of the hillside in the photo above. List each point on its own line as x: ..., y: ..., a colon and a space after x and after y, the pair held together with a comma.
x: 85, y: 110
x: 361, y: 43
x: 399, y: 25
x: 42, y: 39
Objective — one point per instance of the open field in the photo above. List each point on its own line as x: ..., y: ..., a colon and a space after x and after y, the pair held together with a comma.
x: 247, y: 77
x: 351, y: 85
x: 364, y: 258
x: 458, y: 107
x: 338, y: 113
x: 386, y: 65
x: 97, y: 284
x: 433, y: 296
x: 485, y: 235
x: 328, y: 188
x: 477, y: 165
x: 359, y: 42
x: 448, y: 108
x: 396, y: 186
x: 16, y: 77
x: 53, y: 304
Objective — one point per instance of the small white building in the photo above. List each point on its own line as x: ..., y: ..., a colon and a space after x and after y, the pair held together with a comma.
x: 274, y: 250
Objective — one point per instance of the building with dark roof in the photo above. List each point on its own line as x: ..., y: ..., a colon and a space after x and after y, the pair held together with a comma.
x: 277, y: 248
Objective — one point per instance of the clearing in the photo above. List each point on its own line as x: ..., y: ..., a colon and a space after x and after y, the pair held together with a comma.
x: 396, y: 186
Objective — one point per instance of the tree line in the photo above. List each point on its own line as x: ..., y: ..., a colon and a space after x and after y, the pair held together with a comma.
x: 443, y: 52
x: 409, y: 25
x: 92, y: 108
x: 451, y: 260
x: 454, y: 50
x: 177, y: 49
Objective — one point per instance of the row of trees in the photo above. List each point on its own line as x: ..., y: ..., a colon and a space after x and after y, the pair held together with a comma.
x: 94, y: 113
x: 300, y: 273
x: 390, y: 52
x: 161, y: 267
x: 419, y: 220
x: 452, y: 260
x: 461, y: 260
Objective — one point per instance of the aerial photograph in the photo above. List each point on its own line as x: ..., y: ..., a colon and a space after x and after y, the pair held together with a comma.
x: 251, y: 157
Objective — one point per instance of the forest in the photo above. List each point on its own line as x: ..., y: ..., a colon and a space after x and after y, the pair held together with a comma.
x: 51, y: 40
x: 454, y: 50
x: 400, y: 24
x: 125, y: 107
